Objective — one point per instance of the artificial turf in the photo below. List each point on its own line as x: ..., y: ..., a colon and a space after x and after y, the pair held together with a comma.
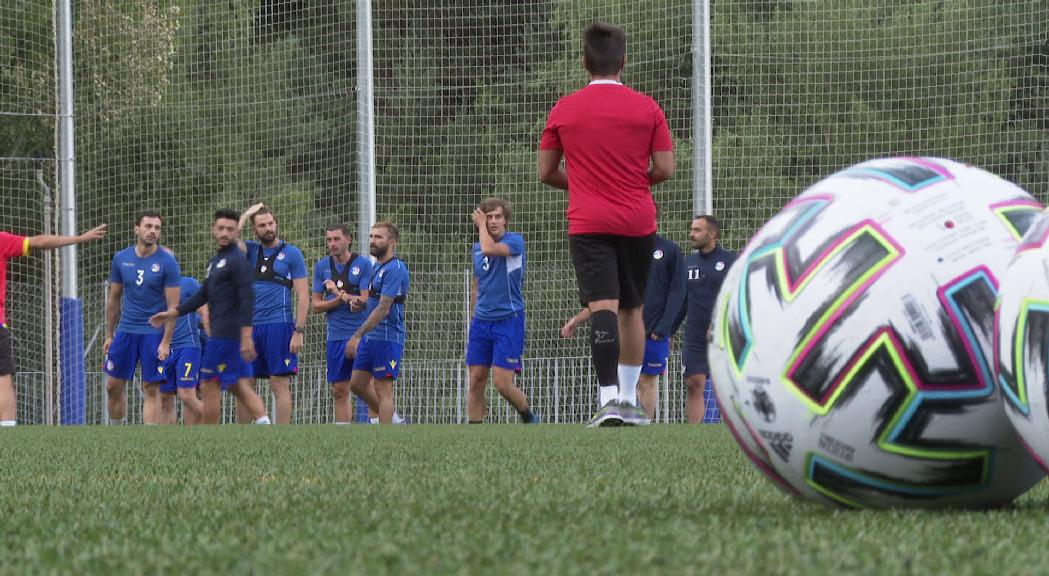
x: 492, y: 499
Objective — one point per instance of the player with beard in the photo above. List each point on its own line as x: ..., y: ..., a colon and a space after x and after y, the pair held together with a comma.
x: 143, y: 280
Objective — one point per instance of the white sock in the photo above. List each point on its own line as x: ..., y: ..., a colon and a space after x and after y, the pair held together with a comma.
x: 113, y: 422
x: 343, y: 423
x: 263, y: 420
x: 628, y: 376
x: 373, y: 420
x: 607, y: 394
x: 8, y: 422
x: 397, y: 418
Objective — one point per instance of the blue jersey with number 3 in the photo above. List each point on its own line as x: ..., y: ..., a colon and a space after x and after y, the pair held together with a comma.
x: 499, y: 280
x: 143, y: 281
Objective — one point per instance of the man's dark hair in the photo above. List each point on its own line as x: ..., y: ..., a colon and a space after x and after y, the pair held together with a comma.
x: 262, y: 211
x: 604, y: 49
x: 226, y: 214
x: 395, y: 234
x: 490, y: 204
x: 340, y: 227
x: 148, y: 214
x: 712, y: 222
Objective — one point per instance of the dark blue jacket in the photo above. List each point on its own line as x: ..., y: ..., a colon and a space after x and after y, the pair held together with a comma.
x: 665, y: 290
x: 704, y: 274
x: 228, y: 292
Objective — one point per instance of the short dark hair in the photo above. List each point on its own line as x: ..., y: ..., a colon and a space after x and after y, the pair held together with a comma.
x: 226, y: 214
x: 148, y: 214
x: 711, y: 222
x: 390, y: 229
x: 604, y: 48
x: 340, y: 227
x: 261, y: 212
x: 490, y: 204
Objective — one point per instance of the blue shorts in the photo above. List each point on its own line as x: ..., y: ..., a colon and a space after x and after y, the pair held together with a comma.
x: 340, y: 368
x: 656, y: 354
x: 381, y: 358
x: 273, y: 346
x: 497, y: 343
x: 181, y: 370
x: 222, y: 362
x: 694, y: 359
x: 129, y: 350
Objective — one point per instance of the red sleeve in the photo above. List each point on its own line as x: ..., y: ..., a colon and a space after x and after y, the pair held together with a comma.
x: 551, y: 140
x: 12, y: 245
x: 661, y: 141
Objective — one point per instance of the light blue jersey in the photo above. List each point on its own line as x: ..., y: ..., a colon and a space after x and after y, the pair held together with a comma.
x: 500, y: 280
x: 275, y: 268
x: 144, y: 281
x: 354, y: 277
x: 389, y: 279
x: 187, y: 328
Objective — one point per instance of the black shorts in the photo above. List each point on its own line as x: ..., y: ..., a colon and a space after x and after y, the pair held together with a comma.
x: 610, y: 267
x: 7, y: 363
x: 694, y: 359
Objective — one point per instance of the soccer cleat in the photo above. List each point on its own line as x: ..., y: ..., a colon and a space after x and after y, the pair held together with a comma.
x: 533, y: 419
x: 608, y: 415
x: 632, y: 415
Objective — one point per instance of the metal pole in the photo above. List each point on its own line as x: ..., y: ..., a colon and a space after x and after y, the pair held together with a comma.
x: 49, y: 303
x: 365, y: 124
x: 702, y: 115
x: 71, y: 311
x: 66, y: 159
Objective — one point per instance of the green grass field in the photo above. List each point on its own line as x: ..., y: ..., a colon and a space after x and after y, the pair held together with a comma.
x: 455, y: 499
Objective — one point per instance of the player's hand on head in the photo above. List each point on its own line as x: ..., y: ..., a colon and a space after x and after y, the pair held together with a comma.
x: 479, y: 218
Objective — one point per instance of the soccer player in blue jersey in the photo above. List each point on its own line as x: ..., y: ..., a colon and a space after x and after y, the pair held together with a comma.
x: 280, y: 273
x: 182, y: 369
x: 664, y: 301
x: 377, y: 358
x: 339, y: 280
x: 143, y: 280
x: 705, y: 270
x: 226, y: 363
x: 497, y: 332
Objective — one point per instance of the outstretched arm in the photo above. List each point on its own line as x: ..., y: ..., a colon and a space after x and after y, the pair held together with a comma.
x: 51, y: 241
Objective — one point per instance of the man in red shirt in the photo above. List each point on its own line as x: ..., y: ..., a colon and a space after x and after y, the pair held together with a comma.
x: 616, y: 144
x: 11, y: 246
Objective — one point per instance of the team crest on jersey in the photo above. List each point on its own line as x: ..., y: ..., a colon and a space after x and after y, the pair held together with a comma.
x: 339, y: 283
x: 155, y: 267
x: 222, y: 368
x: 658, y: 254
x: 109, y: 364
x: 719, y: 266
x: 355, y: 270
x: 280, y: 256
x: 221, y: 264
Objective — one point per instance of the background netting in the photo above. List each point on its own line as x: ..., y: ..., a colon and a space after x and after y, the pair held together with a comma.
x: 188, y: 105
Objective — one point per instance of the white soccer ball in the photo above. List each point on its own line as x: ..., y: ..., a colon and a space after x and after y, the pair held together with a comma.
x: 1023, y: 340
x: 852, y: 348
